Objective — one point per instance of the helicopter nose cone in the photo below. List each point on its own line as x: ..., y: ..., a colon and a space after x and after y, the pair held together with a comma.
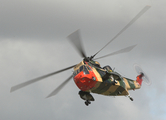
x: 85, y: 81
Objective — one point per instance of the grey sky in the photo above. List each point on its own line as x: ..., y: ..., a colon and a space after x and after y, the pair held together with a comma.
x: 33, y: 42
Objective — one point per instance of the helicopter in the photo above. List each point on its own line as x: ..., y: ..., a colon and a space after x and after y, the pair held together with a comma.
x: 90, y: 77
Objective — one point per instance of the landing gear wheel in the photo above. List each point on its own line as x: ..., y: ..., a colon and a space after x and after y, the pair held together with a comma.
x: 87, y: 102
x: 131, y: 99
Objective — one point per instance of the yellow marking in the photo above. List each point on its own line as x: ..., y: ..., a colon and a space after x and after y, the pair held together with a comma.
x: 137, y: 86
x: 117, y: 83
x: 112, y: 89
x: 96, y: 86
x: 125, y: 92
x: 78, y: 65
x: 97, y: 75
x: 127, y: 84
x: 110, y: 70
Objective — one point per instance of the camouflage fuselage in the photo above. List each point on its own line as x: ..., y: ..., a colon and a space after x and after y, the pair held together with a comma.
x: 90, y: 77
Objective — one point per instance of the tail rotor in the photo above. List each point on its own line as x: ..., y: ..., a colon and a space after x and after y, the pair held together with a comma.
x: 141, y: 75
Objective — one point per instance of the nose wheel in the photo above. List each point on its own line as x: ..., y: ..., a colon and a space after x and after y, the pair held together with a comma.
x: 86, y: 96
x: 87, y: 102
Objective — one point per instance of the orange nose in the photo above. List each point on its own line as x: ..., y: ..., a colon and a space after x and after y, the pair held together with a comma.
x: 84, y: 81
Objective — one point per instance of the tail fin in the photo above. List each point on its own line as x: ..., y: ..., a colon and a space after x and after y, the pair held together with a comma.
x: 139, y: 78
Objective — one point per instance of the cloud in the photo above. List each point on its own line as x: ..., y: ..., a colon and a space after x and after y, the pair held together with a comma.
x: 33, y: 43
x: 53, y: 19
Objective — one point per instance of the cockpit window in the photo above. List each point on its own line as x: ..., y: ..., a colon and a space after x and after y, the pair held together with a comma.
x: 86, y: 70
x: 74, y: 73
x: 78, y: 71
x: 81, y: 68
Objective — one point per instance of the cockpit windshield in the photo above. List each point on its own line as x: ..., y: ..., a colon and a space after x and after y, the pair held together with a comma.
x: 83, y: 68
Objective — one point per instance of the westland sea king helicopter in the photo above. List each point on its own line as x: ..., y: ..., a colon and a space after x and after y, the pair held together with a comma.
x: 90, y: 77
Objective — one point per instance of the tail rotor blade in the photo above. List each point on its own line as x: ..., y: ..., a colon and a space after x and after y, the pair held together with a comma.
x: 139, y: 71
x: 59, y: 88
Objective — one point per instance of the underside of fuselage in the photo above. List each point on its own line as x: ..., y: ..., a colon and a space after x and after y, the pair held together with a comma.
x: 109, y: 88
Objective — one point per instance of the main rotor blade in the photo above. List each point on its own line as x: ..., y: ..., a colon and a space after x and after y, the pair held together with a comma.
x: 59, y: 87
x: 128, y: 49
x: 76, y: 41
x: 19, y: 86
x: 130, y: 23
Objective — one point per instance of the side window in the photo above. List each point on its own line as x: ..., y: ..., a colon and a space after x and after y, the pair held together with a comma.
x: 88, y: 68
x: 78, y: 71
x: 74, y: 73
x: 102, y: 73
x: 85, y: 70
x: 81, y: 68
